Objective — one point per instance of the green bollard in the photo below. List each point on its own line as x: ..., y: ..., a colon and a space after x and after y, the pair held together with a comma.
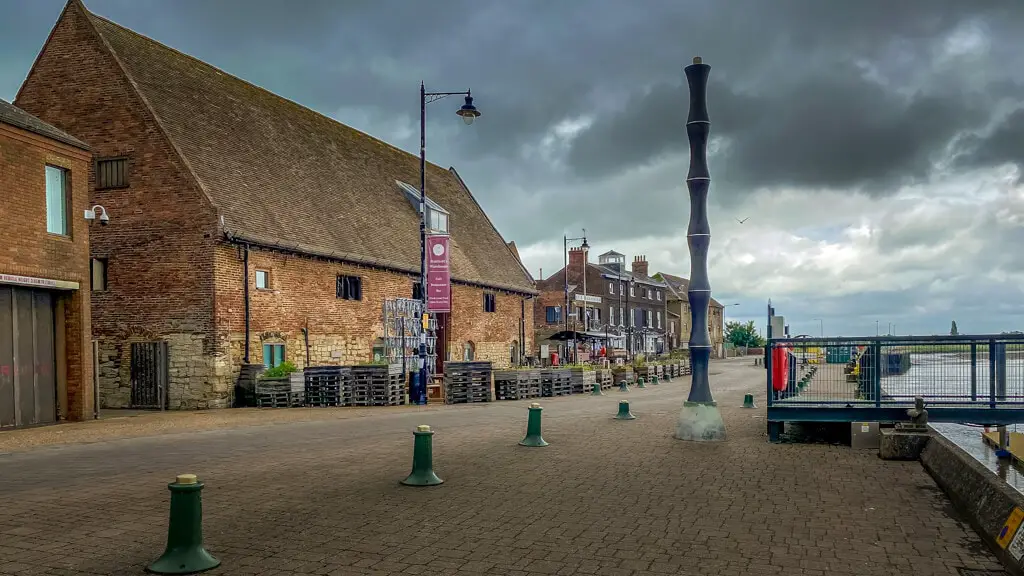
x: 422, y: 459
x: 185, y: 553
x: 640, y: 382
x: 624, y: 386
x: 748, y: 401
x: 668, y: 376
x: 624, y: 413
x: 654, y: 379
x: 597, y: 390
x: 533, y: 438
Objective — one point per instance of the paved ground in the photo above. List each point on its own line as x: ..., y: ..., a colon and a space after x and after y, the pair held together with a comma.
x: 606, y: 497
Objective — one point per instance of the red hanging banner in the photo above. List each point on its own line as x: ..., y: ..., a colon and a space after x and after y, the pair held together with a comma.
x: 439, y: 284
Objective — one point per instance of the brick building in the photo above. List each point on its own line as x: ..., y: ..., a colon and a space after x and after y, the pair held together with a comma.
x: 249, y: 219
x: 625, y: 308
x: 679, y: 316
x: 45, y: 349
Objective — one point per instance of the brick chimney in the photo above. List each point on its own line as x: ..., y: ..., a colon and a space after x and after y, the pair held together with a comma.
x: 640, y: 265
x: 577, y: 258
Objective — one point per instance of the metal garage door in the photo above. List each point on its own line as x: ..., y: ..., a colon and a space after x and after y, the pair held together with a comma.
x: 28, y: 386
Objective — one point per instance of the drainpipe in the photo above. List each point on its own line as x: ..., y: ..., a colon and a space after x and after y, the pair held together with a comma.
x: 522, y: 329
x: 245, y: 291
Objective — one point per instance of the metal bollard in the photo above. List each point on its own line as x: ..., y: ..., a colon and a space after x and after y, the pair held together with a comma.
x: 748, y: 401
x: 624, y: 413
x: 185, y: 553
x: 597, y: 390
x: 422, y: 459
x: 640, y: 382
x: 623, y: 386
x: 533, y: 438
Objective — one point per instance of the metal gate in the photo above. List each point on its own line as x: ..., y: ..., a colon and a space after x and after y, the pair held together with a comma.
x: 28, y: 383
x: 149, y: 375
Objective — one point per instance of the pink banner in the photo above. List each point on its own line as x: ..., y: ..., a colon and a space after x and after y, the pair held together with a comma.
x: 439, y: 287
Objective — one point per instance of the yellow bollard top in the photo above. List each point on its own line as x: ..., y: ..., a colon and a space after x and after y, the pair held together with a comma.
x: 186, y: 479
x: 423, y: 428
x: 535, y: 405
x: 698, y: 60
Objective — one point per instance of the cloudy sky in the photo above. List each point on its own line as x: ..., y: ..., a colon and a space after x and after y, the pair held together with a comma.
x: 875, y: 146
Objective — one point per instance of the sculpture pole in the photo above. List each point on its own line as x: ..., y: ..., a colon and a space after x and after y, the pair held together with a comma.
x: 700, y: 418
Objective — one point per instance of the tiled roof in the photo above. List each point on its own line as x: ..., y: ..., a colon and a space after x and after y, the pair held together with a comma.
x: 678, y: 286
x: 283, y: 175
x: 14, y: 116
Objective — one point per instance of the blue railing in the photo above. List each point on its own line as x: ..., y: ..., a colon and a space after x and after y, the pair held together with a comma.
x: 973, y: 379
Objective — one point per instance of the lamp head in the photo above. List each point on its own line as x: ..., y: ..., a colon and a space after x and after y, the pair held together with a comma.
x: 468, y: 111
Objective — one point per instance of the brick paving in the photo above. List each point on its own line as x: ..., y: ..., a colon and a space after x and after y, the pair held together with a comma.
x: 614, y: 498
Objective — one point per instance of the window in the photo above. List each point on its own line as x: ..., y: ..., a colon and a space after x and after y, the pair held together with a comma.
x: 437, y: 220
x: 111, y: 173
x: 56, y: 201
x: 621, y: 316
x: 417, y: 291
x: 611, y: 315
x: 632, y: 289
x: 659, y: 320
x: 646, y: 293
x: 350, y: 287
x: 672, y: 326
x: 489, y: 302
x: 273, y: 355
x: 659, y: 294
x: 98, y: 274
x: 437, y: 217
x: 553, y: 314
x: 468, y: 352
x: 611, y: 287
x: 649, y: 318
x: 262, y: 280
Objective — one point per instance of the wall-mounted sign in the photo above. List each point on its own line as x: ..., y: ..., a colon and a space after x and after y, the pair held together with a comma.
x: 439, y: 285
x: 589, y: 299
x: 37, y: 282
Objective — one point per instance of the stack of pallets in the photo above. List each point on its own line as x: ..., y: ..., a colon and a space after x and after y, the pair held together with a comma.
x: 604, y: 377
x: 516, y: 384
x: 377, y: 385
x: 582, y: 381
x: 328, y: 386
x: 685, y: 369
x: 467, y: 382
x: 555, y: 382
x: 276, y: 393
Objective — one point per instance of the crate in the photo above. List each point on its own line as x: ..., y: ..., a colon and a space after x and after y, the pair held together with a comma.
x: 555, y: 382
x: 467, y: 382
x: 582, y: 381
x: 377, y: 385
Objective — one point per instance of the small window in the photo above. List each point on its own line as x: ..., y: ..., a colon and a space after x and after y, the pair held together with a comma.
x: 262, y: 280
x: 468, y: 352
x: 273, y: 355
x: 632, y: 289
x: 56, y: 200
x: 659, y: 319
x: 621, y: 315
x: 437, y: 221
x: 659, y: 294
x: 111, y: 173
x: 98, y: 274
x: 649, y: 318
x: 489, y: 302
x: 553, y: 314
x: 350, y: 287
x: 646, y: 293
x: 611, y: 316
x: 611, y: 287
x: 417, y: 291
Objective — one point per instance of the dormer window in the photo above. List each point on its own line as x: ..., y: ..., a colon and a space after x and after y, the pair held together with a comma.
x: 437, y: 217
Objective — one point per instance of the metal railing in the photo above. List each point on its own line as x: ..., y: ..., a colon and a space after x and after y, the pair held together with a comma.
x: 890, y: 371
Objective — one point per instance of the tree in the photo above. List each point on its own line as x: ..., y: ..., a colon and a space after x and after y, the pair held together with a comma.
x: 952, y: 329
x: 743, y: 334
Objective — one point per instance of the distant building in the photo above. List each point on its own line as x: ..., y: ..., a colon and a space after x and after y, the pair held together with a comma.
x: 679, y: 316
x: 625, y: 309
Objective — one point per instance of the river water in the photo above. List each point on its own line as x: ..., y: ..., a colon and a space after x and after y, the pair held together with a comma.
x: 940, y: 376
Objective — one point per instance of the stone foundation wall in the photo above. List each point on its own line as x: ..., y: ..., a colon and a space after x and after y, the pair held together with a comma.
x: 196, y: 379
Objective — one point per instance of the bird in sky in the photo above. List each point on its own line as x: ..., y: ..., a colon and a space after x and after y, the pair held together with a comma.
x: 744, y: 220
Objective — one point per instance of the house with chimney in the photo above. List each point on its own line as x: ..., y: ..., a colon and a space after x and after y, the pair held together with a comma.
x: 252, y: 230
x: 679, y: 316
x: 605, y: 303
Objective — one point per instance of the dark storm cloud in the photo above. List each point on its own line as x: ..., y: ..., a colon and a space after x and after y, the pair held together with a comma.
x: 1004, y: 145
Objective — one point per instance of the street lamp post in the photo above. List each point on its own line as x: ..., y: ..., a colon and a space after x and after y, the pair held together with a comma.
x: 629, y: 321
x: 468, y: 112
x: 565, y: 278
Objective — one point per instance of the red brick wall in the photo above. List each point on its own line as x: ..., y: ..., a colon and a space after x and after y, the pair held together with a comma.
x: 29, y: 250
x: 303, y: 293
x: 162, y: 228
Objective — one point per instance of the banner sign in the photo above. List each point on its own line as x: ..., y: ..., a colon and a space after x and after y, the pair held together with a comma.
x: 439, y: 286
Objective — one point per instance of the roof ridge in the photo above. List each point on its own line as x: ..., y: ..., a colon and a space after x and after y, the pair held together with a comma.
x: 248, y: 83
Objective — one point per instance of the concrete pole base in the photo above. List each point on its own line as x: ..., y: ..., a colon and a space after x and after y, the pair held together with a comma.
x: 700, y: 422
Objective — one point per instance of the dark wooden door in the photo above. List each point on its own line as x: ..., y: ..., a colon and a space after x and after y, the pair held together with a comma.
x: 149, y: 375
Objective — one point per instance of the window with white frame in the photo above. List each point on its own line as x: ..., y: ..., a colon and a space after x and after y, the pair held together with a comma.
x: 659, y: 320
x: 611, y: 315
x: 437, y: 217
x: 262, y: 280
x: 659, y: 294
x: 632, y: 289
x: 56, y: 200
x: 611, y: 287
